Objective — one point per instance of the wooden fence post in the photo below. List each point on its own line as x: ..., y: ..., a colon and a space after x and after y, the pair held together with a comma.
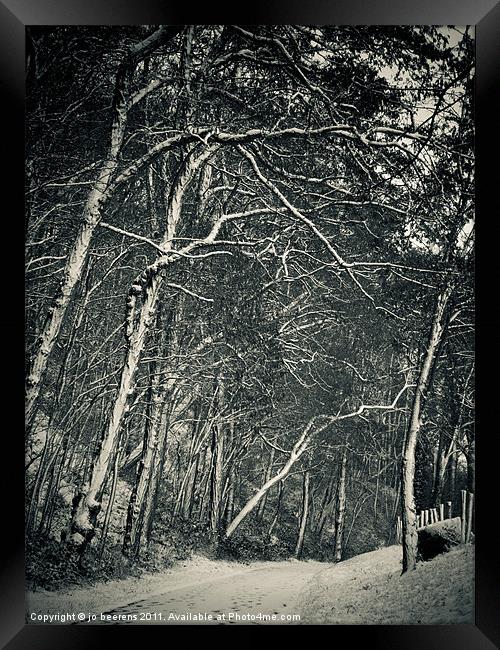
x: 441, y: 511
x: 449, y: 509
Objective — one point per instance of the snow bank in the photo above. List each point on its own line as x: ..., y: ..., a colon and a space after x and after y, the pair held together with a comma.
x: 438, y: 537
x: 370, y: 590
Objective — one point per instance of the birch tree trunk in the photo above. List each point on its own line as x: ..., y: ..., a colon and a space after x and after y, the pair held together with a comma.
x: 84, y: 520
x: 160, y: 390
x: 409, y: 520
x: 137, y: 326
x: 92, y: 215
x: 184, y: 501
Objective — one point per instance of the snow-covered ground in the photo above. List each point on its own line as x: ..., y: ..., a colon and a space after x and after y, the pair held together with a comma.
x: 105, y: 596
x: 369, y: 589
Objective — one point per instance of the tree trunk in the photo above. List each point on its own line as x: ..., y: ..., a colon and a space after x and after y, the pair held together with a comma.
x: 440, y: 469
x: 377, y: 485
x: 326, y: 506
x: 109, y: 509
x: 85, y: 517
x: 145, y: 520
x: 269, y: 472
x: 143, y: 477
x: 217, y: 461
x: 148, y: 287
x: 278, y: 509
x: 312, y: 428
x: 297, y: 451
x: 452, y: 474
x: 305, y: 512
x: 229, y: 509
x: 341, y: 503
x: 184, y: 501
x: 92, y: 216
x: 471, y: 462
x: 409, y: 522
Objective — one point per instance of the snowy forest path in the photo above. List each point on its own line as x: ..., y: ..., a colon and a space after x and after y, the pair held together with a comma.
x: 271, y: 589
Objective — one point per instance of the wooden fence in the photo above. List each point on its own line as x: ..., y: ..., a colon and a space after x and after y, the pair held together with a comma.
x: 442, y: 512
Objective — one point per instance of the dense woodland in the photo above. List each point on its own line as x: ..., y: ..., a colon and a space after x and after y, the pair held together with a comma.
x: 249, y: 291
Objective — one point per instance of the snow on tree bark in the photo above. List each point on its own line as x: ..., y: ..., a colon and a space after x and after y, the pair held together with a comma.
x: 92, y: 215
x: 409, y: 519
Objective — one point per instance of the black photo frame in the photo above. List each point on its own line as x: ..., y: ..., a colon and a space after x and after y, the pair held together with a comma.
x: 15, y: 15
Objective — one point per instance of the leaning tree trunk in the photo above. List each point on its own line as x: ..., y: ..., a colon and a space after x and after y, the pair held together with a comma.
x: 84, y: 520
x: 137, y: 327
x: 92, y: 215
x: 303, y: 519
x: 313, y: 427
x: 183, y: 502
x: 341, y: 503
x: 408, y: 518
x: 148, y: 482
x: 298, y: 449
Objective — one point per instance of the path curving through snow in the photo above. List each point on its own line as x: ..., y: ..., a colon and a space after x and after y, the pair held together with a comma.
x: 267, y: 594
x: 366, y: 589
